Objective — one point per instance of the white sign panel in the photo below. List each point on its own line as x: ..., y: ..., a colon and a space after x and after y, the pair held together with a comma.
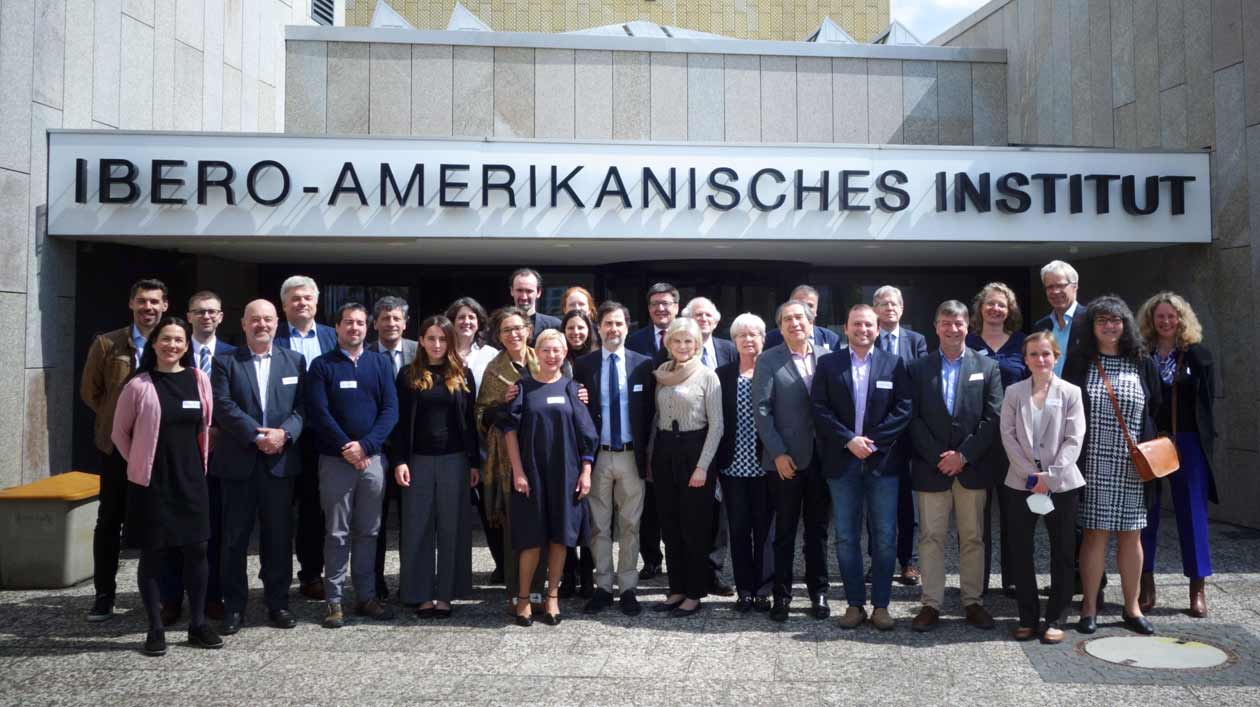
x: 110, y: 183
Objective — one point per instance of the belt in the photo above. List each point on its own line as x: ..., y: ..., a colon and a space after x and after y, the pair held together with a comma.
x: 627, y: 447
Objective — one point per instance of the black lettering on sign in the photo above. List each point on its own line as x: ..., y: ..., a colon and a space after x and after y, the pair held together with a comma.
x: 108, y: 180
x: 415, y: 181
x: 224, y: 181
x: 251, y: 182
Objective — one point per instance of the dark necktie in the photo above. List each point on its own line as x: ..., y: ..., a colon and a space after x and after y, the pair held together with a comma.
x: 888, y: 343
x: 614, y: 405
x: 204, y: 362
x: 704, y: 357
x: 660, y: 339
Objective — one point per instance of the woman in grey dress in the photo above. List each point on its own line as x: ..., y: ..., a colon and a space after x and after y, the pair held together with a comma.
x: 1114, y: 501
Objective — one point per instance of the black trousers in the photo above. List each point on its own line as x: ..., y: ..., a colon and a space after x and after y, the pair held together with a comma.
x: 995, y: 460
x: 171, y: 582
x: 494, y: 536
x: 1061, y: 527
x: 804, y: 498
x: 390, y: 496
x: 107, y: 538
x: 650, y: 529
x: 268, y: 500
x: 579, y: 562
x: 308, y: 541
x: 748, y: 514
x: 685, y: 513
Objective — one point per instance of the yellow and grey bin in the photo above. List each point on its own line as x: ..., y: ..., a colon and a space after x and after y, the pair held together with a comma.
x: 46, y: 531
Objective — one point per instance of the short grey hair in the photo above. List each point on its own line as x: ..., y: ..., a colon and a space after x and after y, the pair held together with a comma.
x: 951, y: 308
x: 805, y: 290
x: 809, y: 313
x: 387, y: 303
x: 1058, y: 267
x: 684, y: 325
x: 295, y: 282
x: 748, y: 322
x: 695, y: 302
x: 888, y: 291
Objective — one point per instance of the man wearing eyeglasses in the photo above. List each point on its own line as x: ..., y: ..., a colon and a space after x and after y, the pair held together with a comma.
x: 1061, y: 283
x: 205, y: 314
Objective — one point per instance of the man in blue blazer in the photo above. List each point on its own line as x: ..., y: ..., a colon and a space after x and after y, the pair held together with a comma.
x: 258, y: 408
x: 823, y: 336
x: 862, y: 406
x: 299, y: 295
x: 909, y: 346
x: 621, y: 389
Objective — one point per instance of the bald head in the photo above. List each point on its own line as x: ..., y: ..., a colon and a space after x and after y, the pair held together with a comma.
x: 259, y: 325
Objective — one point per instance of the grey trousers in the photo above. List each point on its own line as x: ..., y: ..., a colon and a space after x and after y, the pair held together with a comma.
x: 435, y: 517
x: 351, y: 500
x: 616, y: 492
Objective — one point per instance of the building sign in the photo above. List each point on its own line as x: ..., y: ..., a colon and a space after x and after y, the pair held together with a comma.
x: 111, y: 183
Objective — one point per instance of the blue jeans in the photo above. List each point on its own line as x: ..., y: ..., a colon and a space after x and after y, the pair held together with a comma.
x: 852, y: 493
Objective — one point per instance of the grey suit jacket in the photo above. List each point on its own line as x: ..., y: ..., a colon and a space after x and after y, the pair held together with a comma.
x: 782, y: 407
x: 409, y: 348
x: 1059, y: 438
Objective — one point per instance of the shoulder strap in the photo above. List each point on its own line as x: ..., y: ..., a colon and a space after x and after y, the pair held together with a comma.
x: 1115, y: 405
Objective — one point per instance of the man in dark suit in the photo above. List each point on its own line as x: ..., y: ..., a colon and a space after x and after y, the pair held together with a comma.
x: 389, y: 319
x: 299, y: 295
x: 823, y: 337
x: 526, y: 287
x: 783, y: 411
x: 909, y: 346
x: 662, y: 304
x: 1061, y: 282
x: 258, y: 407
x: 205, y: 314
x: 862, y: 406
x: 957, y: 405
x: 621, y: 388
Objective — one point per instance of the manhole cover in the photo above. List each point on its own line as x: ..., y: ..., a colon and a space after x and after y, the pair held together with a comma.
x: 1160, y: 652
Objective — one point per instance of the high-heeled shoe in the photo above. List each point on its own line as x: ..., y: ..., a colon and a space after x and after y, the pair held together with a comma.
x: 522, y: 620
x: 1087, y: 624
x: 549, y: 618
x: 1139, y: 624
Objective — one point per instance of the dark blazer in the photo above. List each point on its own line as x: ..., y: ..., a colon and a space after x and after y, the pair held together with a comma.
x: 1076, y: 372
x: 911, y: 345
x: 541, y: 321
x: 972, y: 429
x: 885, y: 416
x: 401, y: 443
x: 724, y: 349
x: 222, y: 348
x: 1197, y: 373
x: 782, y: 407
x: 728, y: 376
x: 1076, y: 334
x: 643, y: 341
x: 588, y: 371
x: 327, y: 337
x: 409, y: 349
x: 238, y: 414
x: 822, y: 337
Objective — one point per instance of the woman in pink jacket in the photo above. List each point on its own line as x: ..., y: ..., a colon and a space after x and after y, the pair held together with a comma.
x: 161, y: 427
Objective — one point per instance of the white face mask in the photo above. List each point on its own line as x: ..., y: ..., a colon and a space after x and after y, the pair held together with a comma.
x: 1040, y: 503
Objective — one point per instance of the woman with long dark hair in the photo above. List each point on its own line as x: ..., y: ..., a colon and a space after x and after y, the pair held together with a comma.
x: 435, y: 457
x: 1114, y: 502
x: 162, y: 429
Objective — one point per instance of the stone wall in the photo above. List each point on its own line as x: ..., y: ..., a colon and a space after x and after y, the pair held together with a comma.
x: 124, y: 64
x: 1158, y: 74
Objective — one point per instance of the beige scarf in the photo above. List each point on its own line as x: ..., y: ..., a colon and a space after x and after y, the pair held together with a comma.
x: 672, y: 373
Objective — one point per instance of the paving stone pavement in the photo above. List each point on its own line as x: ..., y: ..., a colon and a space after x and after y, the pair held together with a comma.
x: 49, y: 655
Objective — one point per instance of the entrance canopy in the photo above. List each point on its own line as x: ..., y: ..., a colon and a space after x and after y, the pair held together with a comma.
x: 427, y: 199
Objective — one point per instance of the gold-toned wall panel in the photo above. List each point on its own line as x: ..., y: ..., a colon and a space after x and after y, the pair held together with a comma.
x: 789, y: 20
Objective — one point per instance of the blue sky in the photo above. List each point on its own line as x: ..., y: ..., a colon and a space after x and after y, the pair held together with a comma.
x: 928, y: 18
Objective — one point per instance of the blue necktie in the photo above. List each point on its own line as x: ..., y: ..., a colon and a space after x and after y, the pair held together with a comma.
x: 614, y: 405
x: 704, y: 357
x: 888, y: 343
x: 204, y: 363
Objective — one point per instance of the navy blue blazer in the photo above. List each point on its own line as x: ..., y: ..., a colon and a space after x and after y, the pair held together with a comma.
x: 327, y: 337
x: 885, y: 416
x: 822, y: 337
x: 643, y: 341
x: 972, y: 429
x: 1076, y: 334
x: 238, y: 413
x: 911, y: 345
x: 588, y: 371
x: 222, y: 348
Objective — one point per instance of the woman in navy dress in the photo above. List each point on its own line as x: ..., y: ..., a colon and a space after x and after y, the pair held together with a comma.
x: 995, y: 326
x: 551, y: 442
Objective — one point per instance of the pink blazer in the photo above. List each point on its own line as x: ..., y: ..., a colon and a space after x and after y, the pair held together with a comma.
x: 138, y: 417
x: 1061, y: 435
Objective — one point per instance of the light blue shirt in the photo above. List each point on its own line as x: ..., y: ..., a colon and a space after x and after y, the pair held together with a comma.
x: 606, y: 372
x: 1061, y: 334
x: 305, y: 344
x: 949, y: 380
x: 139, y: 342
x: 861, y: 368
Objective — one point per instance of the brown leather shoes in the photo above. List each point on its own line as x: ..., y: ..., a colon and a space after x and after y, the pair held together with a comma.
x: 1198, y: 600
x: 854, y: 616
x: 313, y: 589
x: 927, y: 619
x: 978, y: 617
x: 1146, y: 592
x: 1023, y: 633
x: 909, y: 575
x: 882, y: 620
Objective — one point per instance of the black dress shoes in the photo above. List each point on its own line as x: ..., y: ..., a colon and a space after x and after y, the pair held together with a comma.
x: 761, y: 603
x: 171, y: 612
x: 779, y: 612
x: 821, y: 609
x: 744, y: 604
x: 155, y: 643
x: 232, y: 622
x: 681, y: 613
x: 1087, y: 624
x: 664, y: 606
x: 649, y: 571
x: 281, y: 618
x: 630, y: 603
x: 600, y: 600
x: 1139, y: 624
x: 204, y: 637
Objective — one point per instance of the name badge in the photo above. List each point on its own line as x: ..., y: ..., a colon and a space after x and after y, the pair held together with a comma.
x: 556, y: 400
x: 192, y: 404
x: 349, y: 384
x: 289, y: 380
x: 976, y: 377
x: 1054, y: 403
x: 883, y: 385
x: 638, y: 388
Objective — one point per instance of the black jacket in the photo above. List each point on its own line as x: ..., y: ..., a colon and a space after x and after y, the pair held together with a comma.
x: 972, y: 429
x: 401, y: 443
x: 640, y: 386
x: 728, y: 376
x: 1197, y: 372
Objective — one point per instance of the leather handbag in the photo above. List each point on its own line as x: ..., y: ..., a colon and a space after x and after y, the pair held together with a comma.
x: 1153, y: 459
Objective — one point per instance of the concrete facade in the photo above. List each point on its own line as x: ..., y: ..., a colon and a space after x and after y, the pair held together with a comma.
x: 108, y: 64
x: 1168, y: 74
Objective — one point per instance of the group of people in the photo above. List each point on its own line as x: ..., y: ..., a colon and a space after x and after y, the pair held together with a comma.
x: 582, y: 445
